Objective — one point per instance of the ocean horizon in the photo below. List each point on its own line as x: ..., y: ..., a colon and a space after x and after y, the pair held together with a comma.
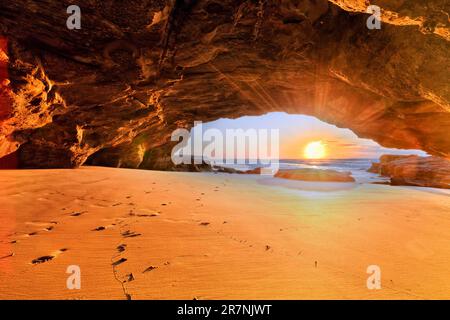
x: 357, y: 166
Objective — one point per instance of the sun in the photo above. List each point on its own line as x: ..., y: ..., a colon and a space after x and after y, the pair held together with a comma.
x: 315, y: 150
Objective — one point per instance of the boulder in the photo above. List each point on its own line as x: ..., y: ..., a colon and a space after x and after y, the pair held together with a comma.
x: 412, y: 170
x: 315, y: 175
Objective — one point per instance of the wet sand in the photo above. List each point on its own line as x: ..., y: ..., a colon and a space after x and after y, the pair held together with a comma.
x: 168, y: 235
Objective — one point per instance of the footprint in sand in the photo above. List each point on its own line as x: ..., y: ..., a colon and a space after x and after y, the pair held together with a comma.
x: 101, y: 228
x: 77, y: 214
x: 149, y: 269
x: 144, y: 211
x: 121, y: 247
x: 130, y: 234
x: 42, y: 259
x: 130, y: 277
x: 49, y: 257
x: 120, y: 261
x: 148, y: 215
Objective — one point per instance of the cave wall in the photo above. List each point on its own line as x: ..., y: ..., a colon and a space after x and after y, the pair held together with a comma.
x: 112, y: 92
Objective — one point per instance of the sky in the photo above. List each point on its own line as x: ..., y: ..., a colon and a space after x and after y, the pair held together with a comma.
x: 297, y: 131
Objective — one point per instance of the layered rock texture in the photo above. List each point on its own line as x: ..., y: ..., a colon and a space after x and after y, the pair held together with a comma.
x: 414, y: 170
x: 112, y: 92
x: 315, y: 175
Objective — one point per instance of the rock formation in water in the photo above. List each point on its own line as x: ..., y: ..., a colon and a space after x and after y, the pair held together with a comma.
x: 112, y: 92
x: 322, y: 175
x: 413, y: 170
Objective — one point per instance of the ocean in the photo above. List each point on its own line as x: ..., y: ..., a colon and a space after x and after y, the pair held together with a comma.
x: 358, y: 167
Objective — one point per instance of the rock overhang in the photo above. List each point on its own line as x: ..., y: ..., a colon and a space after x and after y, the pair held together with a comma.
x: 112, y: 92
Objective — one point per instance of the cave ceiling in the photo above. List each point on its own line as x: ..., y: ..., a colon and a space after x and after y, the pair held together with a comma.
x: 112, y: 92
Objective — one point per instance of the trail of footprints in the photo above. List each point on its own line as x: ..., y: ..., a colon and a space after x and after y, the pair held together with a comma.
x: 49, y: 226
x: 117, y: 260
x: 127, y: 233
x: 121, y: 249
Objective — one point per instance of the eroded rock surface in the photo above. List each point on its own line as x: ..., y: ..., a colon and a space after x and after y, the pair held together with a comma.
x: 320, y: 175
x: 113, y: 92
x: 414, y: 170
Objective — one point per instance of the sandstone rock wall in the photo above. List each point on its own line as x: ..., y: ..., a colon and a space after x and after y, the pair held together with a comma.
x: 112, y: 92
x: 414, y: 170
